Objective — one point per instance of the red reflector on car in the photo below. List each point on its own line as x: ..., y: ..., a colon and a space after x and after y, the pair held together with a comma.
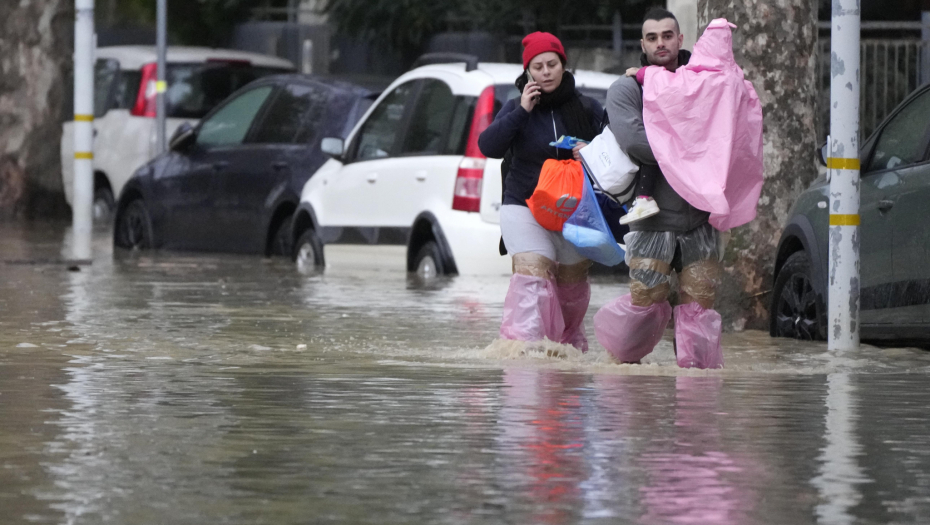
x: 145, y: 100
x: 467, y: 195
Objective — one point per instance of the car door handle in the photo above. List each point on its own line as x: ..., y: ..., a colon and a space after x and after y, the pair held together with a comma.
x: 885, y: 205
x: 372, y: 178
x: 421, y: 176
x: 279, y: 165
x: 220, y: 165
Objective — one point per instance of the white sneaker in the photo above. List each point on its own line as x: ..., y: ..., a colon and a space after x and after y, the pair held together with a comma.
x: 642, y: 207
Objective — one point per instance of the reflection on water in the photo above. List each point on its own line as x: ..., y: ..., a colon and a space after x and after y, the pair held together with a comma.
x: 170, y: 388
x: 840, y: 472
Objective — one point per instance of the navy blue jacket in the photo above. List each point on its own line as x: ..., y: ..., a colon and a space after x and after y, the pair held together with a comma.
x: 530, y: 135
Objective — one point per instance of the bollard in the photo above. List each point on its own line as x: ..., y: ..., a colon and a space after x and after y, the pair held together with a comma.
x: 843, y: 163
x: 82, y: 203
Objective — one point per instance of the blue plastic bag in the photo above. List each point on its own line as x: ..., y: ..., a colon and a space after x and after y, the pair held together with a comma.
x: 588, y: 230
x: 566, y: 142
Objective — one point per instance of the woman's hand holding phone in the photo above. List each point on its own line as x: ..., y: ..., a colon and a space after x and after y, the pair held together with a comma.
x: 530, y: 95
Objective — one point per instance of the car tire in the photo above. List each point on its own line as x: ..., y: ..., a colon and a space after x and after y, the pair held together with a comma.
x: 797, y: 310
x: 103, y: 205
x: 308, y: 251
x: 281, y: 239
x: 428, y: 261
x: 133, y: 229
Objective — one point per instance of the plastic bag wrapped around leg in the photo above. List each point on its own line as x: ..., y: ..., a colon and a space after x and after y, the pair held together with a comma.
x: 697, y: 336
x: 649, y: 254
x: 699, y: 282
x: 574, y: 299
x: 699, y: 244
x: 531, y: 310
x: 630, y: 332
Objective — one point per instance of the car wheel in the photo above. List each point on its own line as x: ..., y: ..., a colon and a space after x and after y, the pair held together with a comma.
x: 308, y: 251
x: 428, y: 262
x: 797, y: 310
x: 103, y: 204
x: 281, y: 239
x: 134, y: 227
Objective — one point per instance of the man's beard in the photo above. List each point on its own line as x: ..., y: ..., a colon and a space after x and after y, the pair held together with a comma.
x: 663, y: 61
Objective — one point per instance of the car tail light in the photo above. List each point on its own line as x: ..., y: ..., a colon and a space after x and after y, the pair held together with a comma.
x: 467, y: 196
x: 145, y: 100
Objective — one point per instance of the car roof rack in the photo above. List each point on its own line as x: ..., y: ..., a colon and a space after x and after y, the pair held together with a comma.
x: 471, y: 61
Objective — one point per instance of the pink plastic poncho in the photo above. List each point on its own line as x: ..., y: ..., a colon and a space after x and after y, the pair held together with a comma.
x: 704, y: 124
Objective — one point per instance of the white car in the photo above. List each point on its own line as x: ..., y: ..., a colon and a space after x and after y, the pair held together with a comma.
x: 410, y: 173
x: 124, y: 106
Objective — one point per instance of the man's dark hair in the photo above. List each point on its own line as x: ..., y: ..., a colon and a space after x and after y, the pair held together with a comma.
x: 658, y: 13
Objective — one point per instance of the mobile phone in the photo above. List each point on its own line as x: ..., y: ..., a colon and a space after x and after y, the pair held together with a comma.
x: 529, y: 77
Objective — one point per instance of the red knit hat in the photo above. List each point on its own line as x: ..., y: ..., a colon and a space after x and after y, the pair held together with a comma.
x: 539, y: 42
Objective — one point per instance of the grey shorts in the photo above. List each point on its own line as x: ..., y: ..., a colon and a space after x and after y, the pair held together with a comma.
x: 522, y: 234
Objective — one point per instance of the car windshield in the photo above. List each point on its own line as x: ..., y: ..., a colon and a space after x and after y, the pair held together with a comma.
x: 505, y: 92
x: 195, y: 89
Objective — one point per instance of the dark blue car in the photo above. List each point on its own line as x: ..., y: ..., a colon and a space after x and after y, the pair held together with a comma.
x: 232, y: 183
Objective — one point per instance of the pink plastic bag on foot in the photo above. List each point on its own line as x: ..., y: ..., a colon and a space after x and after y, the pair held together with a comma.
x: 574, y: 299
x: 531, y: 310
x: 630, y: 332
x: 697, y: 336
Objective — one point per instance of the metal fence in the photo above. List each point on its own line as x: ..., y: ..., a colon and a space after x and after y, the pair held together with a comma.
x: 890, y: 69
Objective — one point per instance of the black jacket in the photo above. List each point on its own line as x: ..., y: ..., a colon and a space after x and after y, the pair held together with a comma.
x: 529, y: 133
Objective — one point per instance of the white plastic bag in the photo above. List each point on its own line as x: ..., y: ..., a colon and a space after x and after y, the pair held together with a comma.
x: 613, y: 172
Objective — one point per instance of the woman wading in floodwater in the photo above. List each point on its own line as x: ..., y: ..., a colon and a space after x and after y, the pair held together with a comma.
x: 549, y: 291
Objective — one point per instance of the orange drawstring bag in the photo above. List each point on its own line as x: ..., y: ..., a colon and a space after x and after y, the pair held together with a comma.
x: 557, y: 193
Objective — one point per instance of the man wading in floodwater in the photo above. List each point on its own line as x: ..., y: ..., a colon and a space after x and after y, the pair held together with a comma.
x: 678, y: 237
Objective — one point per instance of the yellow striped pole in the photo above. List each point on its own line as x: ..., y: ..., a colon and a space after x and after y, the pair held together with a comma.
x: 83, y: 196
x: 843, y: 162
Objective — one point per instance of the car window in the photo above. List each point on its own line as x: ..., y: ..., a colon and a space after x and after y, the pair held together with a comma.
x: 230, y: 123
x: 127, y: 89
x: 195, y: 89
x: 293, y: 116
x: 378, y: 133
x: 902, y: 140
x: 105, y: 74
x: 431, y: 120
x: 460, y: 125
x: 358, y: 108
x: 503, y: 93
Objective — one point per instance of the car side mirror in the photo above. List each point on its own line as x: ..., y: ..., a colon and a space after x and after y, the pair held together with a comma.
x: 333, y: 146
x: 183, y: 137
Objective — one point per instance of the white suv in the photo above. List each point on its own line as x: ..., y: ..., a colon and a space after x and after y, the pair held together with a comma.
x: 410, y: 172
x: 124, y: 106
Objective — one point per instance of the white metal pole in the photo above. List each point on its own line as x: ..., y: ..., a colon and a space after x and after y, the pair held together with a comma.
x: 82, y: 202
x: 843, y: 297
x: 161, y: 84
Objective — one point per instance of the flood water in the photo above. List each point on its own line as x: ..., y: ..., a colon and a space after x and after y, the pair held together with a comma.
x: 176, y: 388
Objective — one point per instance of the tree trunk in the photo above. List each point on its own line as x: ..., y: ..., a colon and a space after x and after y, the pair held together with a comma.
x: 775, y: 44
x: 37, y: 42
